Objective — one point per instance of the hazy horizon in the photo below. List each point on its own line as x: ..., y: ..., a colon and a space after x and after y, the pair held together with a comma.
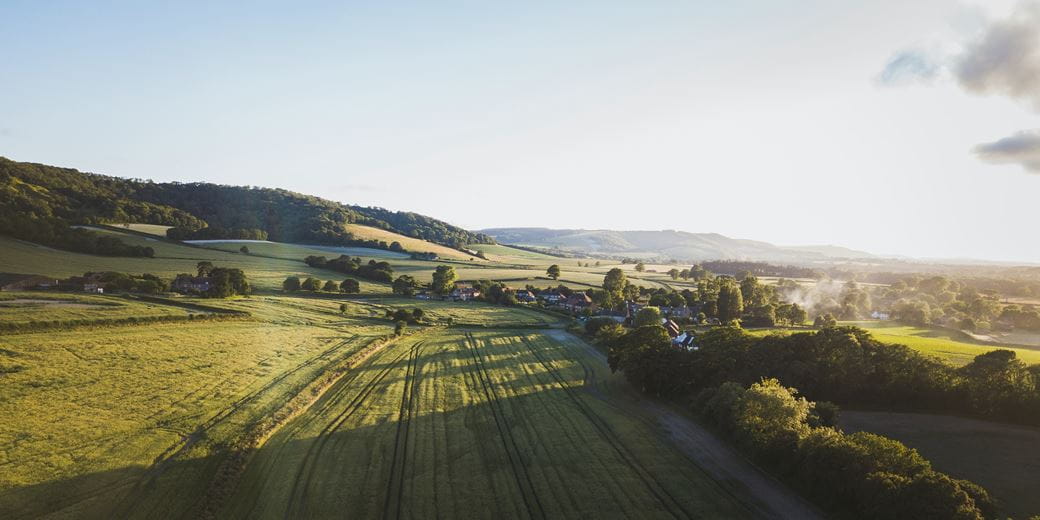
x: 888, y: 128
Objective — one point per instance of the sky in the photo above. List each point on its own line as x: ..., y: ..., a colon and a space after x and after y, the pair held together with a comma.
x: 896, y: 127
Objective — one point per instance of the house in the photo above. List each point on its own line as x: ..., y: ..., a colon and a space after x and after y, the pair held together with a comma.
x: 880, y: 315
x: 191, y: 284
x: 684, y: 341
x: 525, y: 296
x: 424, y: 256
x: 24, y: 282
x: 464, y: 293
x: 552, y: 297
x: 677, y: 312
x: 672, y: 328
x: 578, y: 302
x: 94, y: 287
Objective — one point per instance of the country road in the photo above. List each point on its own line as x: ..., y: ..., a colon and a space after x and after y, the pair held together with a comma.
x: 769, y: 497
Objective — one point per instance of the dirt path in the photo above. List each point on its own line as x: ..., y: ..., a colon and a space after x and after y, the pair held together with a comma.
x: 769, y: 497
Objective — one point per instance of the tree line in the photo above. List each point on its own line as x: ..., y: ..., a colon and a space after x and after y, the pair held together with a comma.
x: 39, y: 203
x: 379, y: 271
x: 744, y: 386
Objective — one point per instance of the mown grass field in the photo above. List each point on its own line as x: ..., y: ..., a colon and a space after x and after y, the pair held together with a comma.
x: 1002, y: 458
x: 949, y: 346
x: 483, y: 424
x: 409, y: 243
x: 128, y: 421
x: 299, y: 251
x: 954, y: 348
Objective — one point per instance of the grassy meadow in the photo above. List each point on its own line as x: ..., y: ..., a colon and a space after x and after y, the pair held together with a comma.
x: 951, y: 346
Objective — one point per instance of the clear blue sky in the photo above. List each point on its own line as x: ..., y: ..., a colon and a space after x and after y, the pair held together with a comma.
x: 765, y: 120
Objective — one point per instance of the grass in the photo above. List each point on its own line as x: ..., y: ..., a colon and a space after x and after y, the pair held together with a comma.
x: 1002, y: 458
x: 171, y: 259
x: 299, y: 251
x: 483, y: 424
x: 40, y: 306
x: 415, y: 245
x: 950, y: 346
x: 92, y: 416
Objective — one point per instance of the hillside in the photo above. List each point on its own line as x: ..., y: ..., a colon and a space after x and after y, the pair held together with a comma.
x: 40, y: 202
x: 667, y: 244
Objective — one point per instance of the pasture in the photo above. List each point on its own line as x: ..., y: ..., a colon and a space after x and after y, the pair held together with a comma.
x: 951, y: 346
x: 130, y: 420
x: 44, y: 307
x: 171, y: 259
x: 455, y: 424
x: 1002, y: 458
x: 415, y: 245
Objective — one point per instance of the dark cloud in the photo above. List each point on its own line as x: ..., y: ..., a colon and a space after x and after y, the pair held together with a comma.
x: 909, y: 67
x: 1005, y: 60
x: 1022, y: 148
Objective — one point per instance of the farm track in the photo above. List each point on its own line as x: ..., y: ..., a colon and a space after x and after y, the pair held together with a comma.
x: 673, y: 506
x: 298, y: 497
x: 172, y: 453
x: 523, y: 478
x: 399, y: 460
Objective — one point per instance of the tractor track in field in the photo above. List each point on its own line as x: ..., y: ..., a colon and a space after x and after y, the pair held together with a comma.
x: 405, y: 413
x: 301, y: 482
x: 160, y: 463
x: 523, y: 478
x: 673, y: 506
x: 760, y: 493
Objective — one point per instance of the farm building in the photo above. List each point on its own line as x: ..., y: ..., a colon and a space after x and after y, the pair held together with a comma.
x: 24, y: 282
x: 464, y: 293
x: 880, y: 315
x: 424, y: 256
x: 190, y: 284
x: 578, y: 302
x: 525, y: 296
x: 552, y: 297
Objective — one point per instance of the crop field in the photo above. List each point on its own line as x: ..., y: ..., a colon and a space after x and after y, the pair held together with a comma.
x: 952, y: 347
x: 298, y: 251
x: 409, y: 243
x: 171, y: 259
x: 43, y: 307
x: 502, y: 424
x: 1002, y: 458
x: 108, y: 422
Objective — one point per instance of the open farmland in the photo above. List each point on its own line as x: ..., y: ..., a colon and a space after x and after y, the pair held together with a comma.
x: 170, y: 260
x: 41, y: 308
x: 1002, y: 458
x: 951, y: 346
x: 504, y: 424
x: 131, y: 420
x: 410, y: 244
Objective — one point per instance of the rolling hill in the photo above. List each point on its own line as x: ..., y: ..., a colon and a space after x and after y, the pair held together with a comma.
x: 39, y: 203
x: 667, y: 244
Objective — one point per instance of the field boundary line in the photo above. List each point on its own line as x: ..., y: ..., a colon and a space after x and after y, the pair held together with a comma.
x: 528, y: 493
x: 234, y: 464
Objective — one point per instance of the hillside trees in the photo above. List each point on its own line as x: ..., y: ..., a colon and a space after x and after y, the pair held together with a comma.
x: 553, y: 272
x: 291, y: 284
x: 350, y: 286
x: 405, y: 285
x: 730, y: 302
x: 443, y: 279
x: 614, y: 284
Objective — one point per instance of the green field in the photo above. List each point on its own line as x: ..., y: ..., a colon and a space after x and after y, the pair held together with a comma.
x: 171, y: 259
x: 105, y: 422
x: 501, y: 424
x: 951, y: 346
x: 27, y: 307
x: 136, y: 420
x: 1002, y: 458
